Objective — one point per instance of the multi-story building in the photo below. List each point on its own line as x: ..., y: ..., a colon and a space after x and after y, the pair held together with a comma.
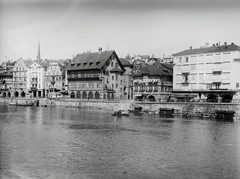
x: 54, y: 81
x: 127, y: 79
x: 6, y: 77
x: 211, y: 72
x: 96, y: 75
x: 20, y: 80
x: 152, y: 82
x: 36, y: 78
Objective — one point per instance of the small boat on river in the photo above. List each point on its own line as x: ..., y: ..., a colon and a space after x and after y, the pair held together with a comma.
x: 120, y: 113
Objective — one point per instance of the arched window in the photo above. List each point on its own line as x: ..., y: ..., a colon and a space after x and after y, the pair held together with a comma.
x: 97, y: 95
x: 72, y: 95
x: 78, y: 94
x: 22, y: 94
x: 84, y: 95
x: 90, y: 95
x: 16, y: 94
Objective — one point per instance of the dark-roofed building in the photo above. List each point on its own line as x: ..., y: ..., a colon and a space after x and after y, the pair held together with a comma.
x: 152, y: 82
x: 96, y: 75
x: 211, y: 72
x: 6, y: 77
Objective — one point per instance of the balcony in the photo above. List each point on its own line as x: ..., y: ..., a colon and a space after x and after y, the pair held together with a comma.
x: 84, y: 77
x: 185, y: 82
x: 186, y: 70
x: 217, y: 70
x: 33, y: 82
x: 216, y: 80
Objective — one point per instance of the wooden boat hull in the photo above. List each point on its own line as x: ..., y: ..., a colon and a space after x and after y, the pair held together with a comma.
x: 120, y: 115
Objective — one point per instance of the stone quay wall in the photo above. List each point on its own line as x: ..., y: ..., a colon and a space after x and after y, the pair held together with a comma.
x: 178, y: 107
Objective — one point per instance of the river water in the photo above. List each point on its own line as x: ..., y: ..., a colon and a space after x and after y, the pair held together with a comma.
x: 73, y: 143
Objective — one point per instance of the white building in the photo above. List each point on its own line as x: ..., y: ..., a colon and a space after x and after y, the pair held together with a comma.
x: 54, y: 81
x: 20, y: 77
x: 212, y: 72
x: 36, y: 78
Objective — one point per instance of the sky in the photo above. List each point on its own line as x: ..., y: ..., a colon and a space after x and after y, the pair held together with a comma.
x: 66, y: 28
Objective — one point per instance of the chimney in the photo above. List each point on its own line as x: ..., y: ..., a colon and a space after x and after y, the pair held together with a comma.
x: 232, y: 43
x: 225, y: 43
x: 152, y: 55
x: 206, y: 44
x: 191, y: 47
x: 100, y: 50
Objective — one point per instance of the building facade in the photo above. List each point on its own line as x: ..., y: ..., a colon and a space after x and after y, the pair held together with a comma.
x: 36, y: 78
x: 6, y: 83
x: 95, y: 75
x: 20, y: 77
x: 152, y: 82
x: 127, y: 79
x: 212, y: 72
x: 54, y: 78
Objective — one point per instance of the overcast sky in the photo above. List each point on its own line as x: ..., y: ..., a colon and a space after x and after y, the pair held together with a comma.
x: 69, y: 27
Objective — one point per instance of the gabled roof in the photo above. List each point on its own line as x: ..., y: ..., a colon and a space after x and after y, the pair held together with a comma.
x: 125, y: 62
x: 212, y: 49
x: 28, y: 62
x: 43, y: 64
x: 116, y: 69
x: 157, y: 69
x: 89, y: 61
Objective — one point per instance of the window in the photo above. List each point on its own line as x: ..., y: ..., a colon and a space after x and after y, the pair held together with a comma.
x: 237, y: 85
x: 112, y: 77
x: 187, y: 59
x: 193, y: 67
x: 112, y: 64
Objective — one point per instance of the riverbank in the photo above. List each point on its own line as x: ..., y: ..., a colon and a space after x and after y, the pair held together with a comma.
x: 191, y: 108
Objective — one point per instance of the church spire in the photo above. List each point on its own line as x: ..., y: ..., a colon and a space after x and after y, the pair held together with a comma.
x: 38, y: 55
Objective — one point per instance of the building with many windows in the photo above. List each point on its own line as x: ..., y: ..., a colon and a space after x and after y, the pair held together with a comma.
x: 54, y: 78
x: 211, y: 72
x: 20, y: 77
x: 6, y: 78
x: 127, y: 79
x: 36, y: 78
x: 152, y: 82
x: 96, y: 75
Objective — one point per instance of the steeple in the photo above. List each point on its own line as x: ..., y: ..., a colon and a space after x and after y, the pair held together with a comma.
x: 38, y: 55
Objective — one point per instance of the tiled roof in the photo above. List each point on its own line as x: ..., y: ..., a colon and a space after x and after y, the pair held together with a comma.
x: 116, y: 69
x: 88, y: 61
x: 28, y: 62
x: 157, y: 69
x: 212, y: 49
x: 125, y: 62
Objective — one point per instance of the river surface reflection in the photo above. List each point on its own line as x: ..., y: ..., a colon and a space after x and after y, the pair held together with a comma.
x: 73, y: 143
